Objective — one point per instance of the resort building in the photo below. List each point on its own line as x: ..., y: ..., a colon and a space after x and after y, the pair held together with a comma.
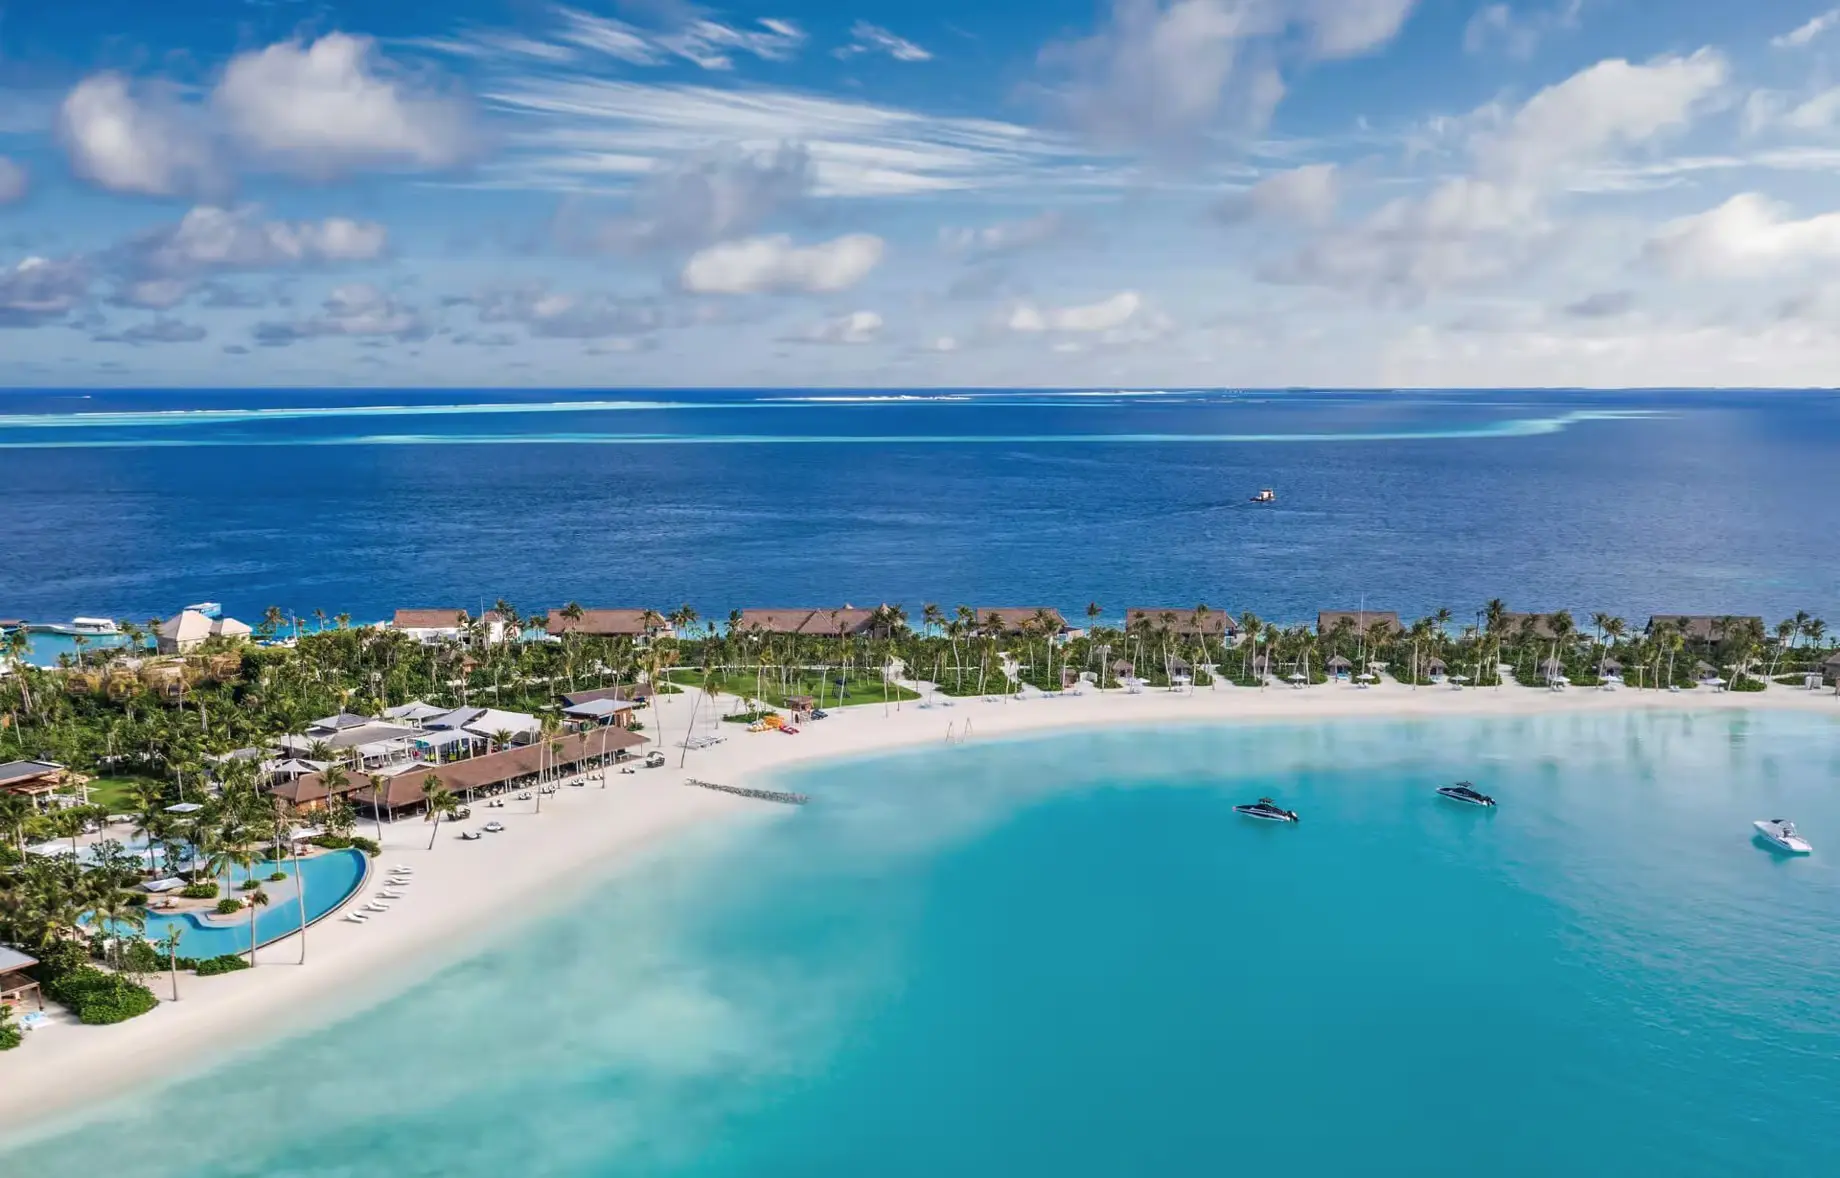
x: 1015, y: 621
x: 1360, y: 620
x: 1187, y: 622
x: 843, y: 621
x: 598, y: 712
x: 34, y: 779
x: 1701, y: 627
x: 1513, y: 624
x: 510, y: 769
x: 190, y: 629
x: 1830, y: 670
x: 435, y: 625
x: 16, y: 986
x: 609, y: 623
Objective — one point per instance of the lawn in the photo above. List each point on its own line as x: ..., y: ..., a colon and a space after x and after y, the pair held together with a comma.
x: 780, y: 683
x: 117, y: 793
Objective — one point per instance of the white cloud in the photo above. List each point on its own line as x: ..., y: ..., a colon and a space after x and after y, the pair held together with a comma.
x: 1517, y: 35
x: 1609, y: 106
x: 1804, y: 35
x: 1773, y: 110
x: 1477, y: 228
x: 868, y: 38
x: 705, y: 198
x: 578, y: 131
x: 213, y: 238
x: 551, y: 314
x: 1161, y: 71
x: 1005, y: 237
x: 700, y: 40
x: 1106, y: 315
x: 334, y: 104
x: 145, y: 143
x: 775, y: 265
x: 355, y: 309
x: 1747, y: 236
x: 37, y: 290
x: 14, y: 181
x: 858, y: 327
x: 1305, y: 195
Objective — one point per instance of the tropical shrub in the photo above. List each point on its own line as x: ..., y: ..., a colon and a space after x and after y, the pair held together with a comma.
x: 247, y: 885
x: 1748, y: 683
x: 228, y: 905
x: 331, y: 842
x: 10, y: 1035
x: 368, y: 846
x: 277, y: 876
x: 211, y: 966
x: 98, y: 998
x: 203, y: 890
x: 137, y: 957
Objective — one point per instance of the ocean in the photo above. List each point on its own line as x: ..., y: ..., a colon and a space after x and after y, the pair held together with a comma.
x: 133, y: 504
x: 1066, y: 955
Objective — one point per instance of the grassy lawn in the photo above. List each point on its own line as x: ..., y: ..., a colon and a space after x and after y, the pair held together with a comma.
x: 116, y: 792
x: 862, y: 690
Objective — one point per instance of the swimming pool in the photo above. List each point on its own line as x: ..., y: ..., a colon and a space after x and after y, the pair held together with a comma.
x: 330, y: 880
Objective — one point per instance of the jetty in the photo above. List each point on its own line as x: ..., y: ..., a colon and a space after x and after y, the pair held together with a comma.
x: 763, y: 795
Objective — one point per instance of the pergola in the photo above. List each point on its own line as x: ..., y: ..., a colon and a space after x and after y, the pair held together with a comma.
x: 15, y: 986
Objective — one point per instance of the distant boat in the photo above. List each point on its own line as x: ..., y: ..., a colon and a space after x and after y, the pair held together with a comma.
x: 209, y: 609
x: 1267, y: 495
x: 1466, y: 793
x: 1266, y: 810
x: 1781, y: 834
x: 93, y: 626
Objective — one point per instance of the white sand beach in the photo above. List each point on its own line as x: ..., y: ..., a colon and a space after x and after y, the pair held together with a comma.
x: 463, y: 890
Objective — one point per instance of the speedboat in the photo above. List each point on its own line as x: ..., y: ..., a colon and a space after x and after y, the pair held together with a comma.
x: 1781, y: 834
x: 471, y: 836
x: 494, y: 827
x: 1466, y: 793
x: 209, y: 609
x: 1267, y: 495
x: 93, y: 626
x: 1266, y: 810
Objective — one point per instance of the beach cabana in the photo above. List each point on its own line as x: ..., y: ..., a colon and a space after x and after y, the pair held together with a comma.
x: 1436, y: 667
x: 1338, y: 665
x: 16, y: 988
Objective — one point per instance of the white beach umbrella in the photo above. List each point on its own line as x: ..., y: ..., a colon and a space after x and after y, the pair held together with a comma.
x: 1296, y: 676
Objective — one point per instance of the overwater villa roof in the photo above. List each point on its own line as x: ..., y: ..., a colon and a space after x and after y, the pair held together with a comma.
x: 1187, y: 622
x: 1362, y: 620
x: 842, y: 620
x: 494, y: 769
x: 1013, y: 619
x: 608, y: 623
x: 1699, y: 627
x: 437, y: 619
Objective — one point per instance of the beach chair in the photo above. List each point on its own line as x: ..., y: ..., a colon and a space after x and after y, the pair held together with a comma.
x: 389, y: 895
x: 373, y: 906
x: 356, y: 917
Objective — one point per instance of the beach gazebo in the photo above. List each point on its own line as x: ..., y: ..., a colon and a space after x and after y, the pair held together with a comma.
x: 16, y: 988
x: 1436, y: 667
x: 1338, y: 665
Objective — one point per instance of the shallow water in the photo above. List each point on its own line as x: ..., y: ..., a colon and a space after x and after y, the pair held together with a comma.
x: 1068, y: 956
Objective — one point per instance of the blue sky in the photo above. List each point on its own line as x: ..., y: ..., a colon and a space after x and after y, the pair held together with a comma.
x: 1134, y: 192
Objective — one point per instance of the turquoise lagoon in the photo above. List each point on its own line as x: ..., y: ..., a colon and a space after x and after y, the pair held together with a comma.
x: 1067, y: 956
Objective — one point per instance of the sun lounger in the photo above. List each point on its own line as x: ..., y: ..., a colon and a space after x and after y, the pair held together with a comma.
x: 373, y: 906
x: 356, y: 917
x: 389, y: 895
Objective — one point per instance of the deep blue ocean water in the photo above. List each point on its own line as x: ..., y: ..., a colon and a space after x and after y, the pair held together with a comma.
x: 134, y: 504
x: 1067, y: 956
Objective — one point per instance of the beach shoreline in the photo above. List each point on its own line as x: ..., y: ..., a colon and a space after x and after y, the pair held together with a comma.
x: 465, y: 893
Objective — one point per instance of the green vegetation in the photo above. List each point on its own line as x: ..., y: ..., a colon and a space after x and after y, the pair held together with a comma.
x: 830, y: 687
x: 228, y: 905
x: 97, y: 997
x: 202, y: 890
x: 211, y: 966
x: 368, y: 846
x: 117, y: 794
x: 10, y: 1034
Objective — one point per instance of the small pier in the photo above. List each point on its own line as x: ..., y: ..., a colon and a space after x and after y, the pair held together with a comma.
x: 762, y: 795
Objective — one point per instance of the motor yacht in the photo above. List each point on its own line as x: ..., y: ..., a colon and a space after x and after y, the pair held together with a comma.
x: 1466, y: 793
x: 1781, y: 834
x: 1266, y: 495
x: 494, y: 827
x: 88, y: 626
x: 1266, y: 810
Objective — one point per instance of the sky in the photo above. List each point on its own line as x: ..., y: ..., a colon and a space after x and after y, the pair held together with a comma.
x: 1142, y: 193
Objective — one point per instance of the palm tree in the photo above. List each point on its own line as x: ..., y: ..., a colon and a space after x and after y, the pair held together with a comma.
x: 441, y: 804
x: 169, y: 945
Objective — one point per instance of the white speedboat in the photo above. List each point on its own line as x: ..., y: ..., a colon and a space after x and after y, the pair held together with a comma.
x: 93, y: 626
x: 1466, y: 793
x: 209, y: 609
x: 494, y: 827
x: 1781, y: 834
x: 1266, y: 810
